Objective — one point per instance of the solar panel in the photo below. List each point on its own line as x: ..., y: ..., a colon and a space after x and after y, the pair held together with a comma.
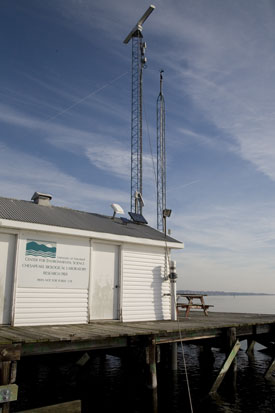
x: 137, y: 218
x: 125, y: 220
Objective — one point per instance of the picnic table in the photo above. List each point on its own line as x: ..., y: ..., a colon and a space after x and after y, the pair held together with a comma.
x: 199, y: 303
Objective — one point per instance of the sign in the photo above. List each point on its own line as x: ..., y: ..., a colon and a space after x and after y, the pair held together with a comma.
x: 8, y: 393
x: 53, y: 263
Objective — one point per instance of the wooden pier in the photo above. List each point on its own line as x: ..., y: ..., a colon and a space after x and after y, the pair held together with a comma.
x: 217, y: 330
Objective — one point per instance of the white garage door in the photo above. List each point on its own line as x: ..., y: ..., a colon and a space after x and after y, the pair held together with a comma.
x: 104, y: 287
x: 7, y: 251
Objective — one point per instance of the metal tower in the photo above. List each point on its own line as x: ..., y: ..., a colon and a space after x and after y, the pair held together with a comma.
x: 138, y: 63
x: 161, y: 158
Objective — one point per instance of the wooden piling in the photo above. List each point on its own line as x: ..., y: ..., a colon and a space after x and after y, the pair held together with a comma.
x: 9, y: 354
x: 152, y: 362
x: 231, y: 334
x: 268, y: 374
x: 225, y: 367
x: 251, y: 342
x: 174, y: 357
x: 5, y: 379
x: 250, y: 347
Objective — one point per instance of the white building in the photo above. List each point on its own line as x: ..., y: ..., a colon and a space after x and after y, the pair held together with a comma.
x: 62, y: 266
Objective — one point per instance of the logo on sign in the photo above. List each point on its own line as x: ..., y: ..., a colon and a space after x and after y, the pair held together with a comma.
x: 41, y: 249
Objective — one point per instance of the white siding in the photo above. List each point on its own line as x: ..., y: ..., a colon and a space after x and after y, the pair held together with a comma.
x: 37, y: 306
x: 144, y: 288
x: 7, y: 256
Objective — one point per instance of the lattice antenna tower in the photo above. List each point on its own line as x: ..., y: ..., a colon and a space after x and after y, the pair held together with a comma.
x: 161, y: 158
x: 138, y: 64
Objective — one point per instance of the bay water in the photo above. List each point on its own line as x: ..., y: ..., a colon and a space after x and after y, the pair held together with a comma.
x: 108, y: 383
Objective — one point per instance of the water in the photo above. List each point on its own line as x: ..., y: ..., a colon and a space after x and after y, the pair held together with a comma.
x: 261, y: 304
x: 109, y: 383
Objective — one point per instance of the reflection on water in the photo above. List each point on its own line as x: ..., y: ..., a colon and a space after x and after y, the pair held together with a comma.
x: 111, y: 382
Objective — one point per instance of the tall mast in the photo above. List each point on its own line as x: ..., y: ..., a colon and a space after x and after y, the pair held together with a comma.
x: 161, y: 158
x: 138, y: 64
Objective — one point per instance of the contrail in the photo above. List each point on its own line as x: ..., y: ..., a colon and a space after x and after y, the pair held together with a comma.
x: 86, y: 97
x: 183, y: 186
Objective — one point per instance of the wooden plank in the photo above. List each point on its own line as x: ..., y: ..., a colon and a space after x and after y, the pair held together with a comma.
x: 270, y: 370
x: 68, y: 407
x: 29, y: 349
x: 225, y: 367
x: 19, y: 335
x: 41, y: 332
x: 10, y: 352
x: 81, y: 329
x: 126, y: 329
x: 5, y: 340
x: 76, y: 333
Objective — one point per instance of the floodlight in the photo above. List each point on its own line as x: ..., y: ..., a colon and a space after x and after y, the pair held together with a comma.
x: 117, y: 209
x: 138, y: 196
x: 167, y: 213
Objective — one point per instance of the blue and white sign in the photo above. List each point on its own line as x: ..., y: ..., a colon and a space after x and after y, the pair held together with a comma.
x: 53, y: 263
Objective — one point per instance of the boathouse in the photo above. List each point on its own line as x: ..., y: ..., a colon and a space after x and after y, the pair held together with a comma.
x: 63, y: 266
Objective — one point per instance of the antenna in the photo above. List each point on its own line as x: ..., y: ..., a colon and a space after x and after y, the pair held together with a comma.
x: 161, y: 159
x: 139, y: 24
x: 138, y: 64
x: 117, y: 210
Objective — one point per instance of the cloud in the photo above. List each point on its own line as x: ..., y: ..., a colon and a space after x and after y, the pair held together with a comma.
x: 229, y: 73
x: 35, y: 174
x: 226, y: 247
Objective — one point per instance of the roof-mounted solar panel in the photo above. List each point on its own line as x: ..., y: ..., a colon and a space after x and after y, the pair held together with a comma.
x: 137, y: 218
x: 124, y: 221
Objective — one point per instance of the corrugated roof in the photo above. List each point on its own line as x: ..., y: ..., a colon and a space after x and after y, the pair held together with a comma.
x: 26, y: 211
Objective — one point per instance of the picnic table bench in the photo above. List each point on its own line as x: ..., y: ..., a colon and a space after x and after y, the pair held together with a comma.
x: 200, y: 304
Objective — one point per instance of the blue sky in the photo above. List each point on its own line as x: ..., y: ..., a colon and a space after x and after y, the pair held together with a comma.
x: 65, y: 121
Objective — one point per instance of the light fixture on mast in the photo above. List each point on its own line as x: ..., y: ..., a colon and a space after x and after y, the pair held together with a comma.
x: 138, y: 63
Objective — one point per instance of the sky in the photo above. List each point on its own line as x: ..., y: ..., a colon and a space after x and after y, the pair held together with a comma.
x: 65, y: 108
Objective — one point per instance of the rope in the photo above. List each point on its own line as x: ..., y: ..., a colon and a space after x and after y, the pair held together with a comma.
x: 184, y: 363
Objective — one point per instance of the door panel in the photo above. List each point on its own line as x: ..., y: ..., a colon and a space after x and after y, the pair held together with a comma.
x: 104, y: 282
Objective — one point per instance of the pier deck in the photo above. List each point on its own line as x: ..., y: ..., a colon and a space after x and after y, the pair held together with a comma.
x: 113, y: 334
x: 216, y: 330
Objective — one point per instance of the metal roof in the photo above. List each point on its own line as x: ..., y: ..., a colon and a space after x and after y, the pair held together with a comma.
x: 26, y: 211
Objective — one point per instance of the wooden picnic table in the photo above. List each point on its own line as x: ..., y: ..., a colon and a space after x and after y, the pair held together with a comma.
x: 199, y: 304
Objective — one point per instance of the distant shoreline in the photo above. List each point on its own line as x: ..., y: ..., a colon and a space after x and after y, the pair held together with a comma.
x: 225, y: 293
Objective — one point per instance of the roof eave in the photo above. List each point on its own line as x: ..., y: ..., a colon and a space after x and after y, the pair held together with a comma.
x: 27, y: 226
